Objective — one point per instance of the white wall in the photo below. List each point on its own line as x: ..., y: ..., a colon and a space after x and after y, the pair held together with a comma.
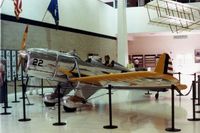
x: 89, y: 15
x: 41, y: 37
x: 94, y: 16
x: 180, y: 50
x: 138, y: 21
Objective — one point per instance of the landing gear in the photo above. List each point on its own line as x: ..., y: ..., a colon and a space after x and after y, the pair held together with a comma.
x: 69, y: 110
x: 157, y: 95
x: 47, y: 104
x: 148, y: 93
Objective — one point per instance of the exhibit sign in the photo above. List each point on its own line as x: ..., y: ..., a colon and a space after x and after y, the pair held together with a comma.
x: 197, y: 55
x: 8, y: 64
x: 11, y: 64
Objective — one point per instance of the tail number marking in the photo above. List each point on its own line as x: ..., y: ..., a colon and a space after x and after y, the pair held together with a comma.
x: 37, y: 62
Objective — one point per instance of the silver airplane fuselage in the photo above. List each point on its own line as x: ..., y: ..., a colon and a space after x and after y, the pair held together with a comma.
x: 46, y: 64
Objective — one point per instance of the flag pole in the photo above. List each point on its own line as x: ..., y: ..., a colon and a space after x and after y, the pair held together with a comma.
x: 2, y: 3
x: 44, y: 15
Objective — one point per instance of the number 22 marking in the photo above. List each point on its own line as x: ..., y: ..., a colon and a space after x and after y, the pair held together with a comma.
x: 37, y: 62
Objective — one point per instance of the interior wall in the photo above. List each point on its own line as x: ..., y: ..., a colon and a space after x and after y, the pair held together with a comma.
x: 138, y: 21
x: 89, y: 15
x: 41, y: 37
x: 181, y: 50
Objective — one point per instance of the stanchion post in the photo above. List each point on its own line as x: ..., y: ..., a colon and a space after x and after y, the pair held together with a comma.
x: 172, y: 128
x: 59, y: 123
x: 6, y: 95
x: 22, y: 78
x: 179, y: 76
x: 24, y: 119
x: 27, y: 80
x: 5, y: 99
x: 195, y: 79
x: 42, y: 89
x: 193, y: 102
x: 15, y: 90
x: 110, y: 110
x: 179, y: 79
x: 198, y: 86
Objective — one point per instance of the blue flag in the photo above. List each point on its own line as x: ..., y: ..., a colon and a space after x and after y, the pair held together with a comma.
x: 53, y: 9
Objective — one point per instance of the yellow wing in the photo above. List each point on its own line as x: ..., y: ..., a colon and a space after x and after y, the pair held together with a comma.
x: 160, y: 78
x: 132, y: 79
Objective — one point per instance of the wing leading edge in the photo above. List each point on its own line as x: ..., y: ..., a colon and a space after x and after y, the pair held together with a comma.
x: 133, y: 80
x: 161, y: 77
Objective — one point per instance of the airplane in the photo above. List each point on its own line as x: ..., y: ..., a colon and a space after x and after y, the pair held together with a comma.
x: 86, y: 78
x: 58, y: 66
x: 178, y: 16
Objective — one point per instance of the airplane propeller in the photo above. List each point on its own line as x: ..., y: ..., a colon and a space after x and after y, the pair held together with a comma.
x: 22, y: 54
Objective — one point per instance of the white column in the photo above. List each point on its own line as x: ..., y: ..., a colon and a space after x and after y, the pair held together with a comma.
x: 122, y: 41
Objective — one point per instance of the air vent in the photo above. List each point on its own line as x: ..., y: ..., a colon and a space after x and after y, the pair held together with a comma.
x: 180, y: 37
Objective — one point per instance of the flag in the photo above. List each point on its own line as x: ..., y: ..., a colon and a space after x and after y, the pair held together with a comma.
x: 53, y: 9
x: 18, y: 7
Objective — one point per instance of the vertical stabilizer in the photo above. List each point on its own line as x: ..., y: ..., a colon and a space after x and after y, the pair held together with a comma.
x: 164, y: 65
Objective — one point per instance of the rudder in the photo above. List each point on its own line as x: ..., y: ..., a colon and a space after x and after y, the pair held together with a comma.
x: 164, y: 65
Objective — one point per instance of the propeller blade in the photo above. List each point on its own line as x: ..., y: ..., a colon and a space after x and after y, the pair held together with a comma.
x: 19, y: 62
x: 22, y: 52
x: 23, y: 44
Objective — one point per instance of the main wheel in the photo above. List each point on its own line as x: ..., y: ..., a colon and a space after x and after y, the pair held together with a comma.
x: 47, y: 104
x: 69, y: 110
x: 156, y: 96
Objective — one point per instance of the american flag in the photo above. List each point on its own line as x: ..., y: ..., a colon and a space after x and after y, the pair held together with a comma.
x: 18, y: 7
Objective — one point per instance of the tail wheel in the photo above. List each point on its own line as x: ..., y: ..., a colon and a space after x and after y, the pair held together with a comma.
x: 47, y: 104
x: 69, y: 110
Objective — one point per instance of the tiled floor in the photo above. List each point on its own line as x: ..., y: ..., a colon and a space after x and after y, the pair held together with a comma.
x: 132, y: 113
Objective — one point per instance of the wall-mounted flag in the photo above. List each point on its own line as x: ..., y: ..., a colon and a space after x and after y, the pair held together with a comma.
x: 17, y: 7
x: 53, y: 9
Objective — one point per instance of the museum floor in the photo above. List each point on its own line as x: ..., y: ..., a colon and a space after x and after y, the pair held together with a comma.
x: 133, y: 112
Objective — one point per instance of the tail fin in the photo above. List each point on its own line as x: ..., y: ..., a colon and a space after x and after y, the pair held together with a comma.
x: 164, y: 65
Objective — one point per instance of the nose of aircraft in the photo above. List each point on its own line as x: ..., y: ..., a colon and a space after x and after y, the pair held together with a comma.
x: 23, y: 60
